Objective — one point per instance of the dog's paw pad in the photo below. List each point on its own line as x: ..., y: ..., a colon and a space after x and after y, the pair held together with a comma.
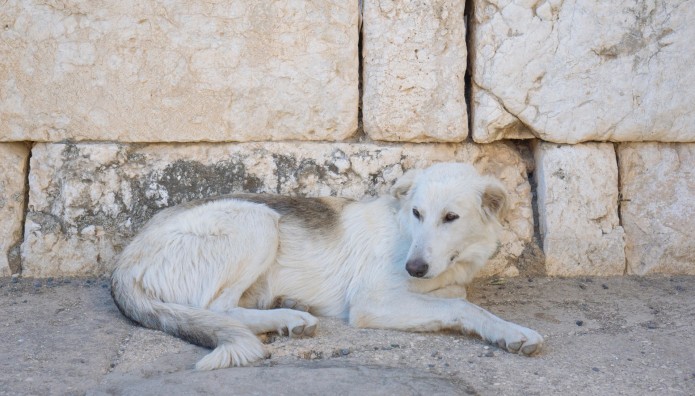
x: 529, y: 350
x: 310, y: 330
x: 298, y: 330
x: 514, y: 346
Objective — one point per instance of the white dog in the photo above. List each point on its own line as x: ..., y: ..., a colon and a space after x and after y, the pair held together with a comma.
x: 208, y: 271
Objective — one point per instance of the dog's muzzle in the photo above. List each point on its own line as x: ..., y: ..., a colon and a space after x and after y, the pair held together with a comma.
x: 417, y: 267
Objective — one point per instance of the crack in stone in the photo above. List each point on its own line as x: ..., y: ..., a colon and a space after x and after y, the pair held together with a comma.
x: 520, y: 125
x: 14, y: 256
x: 469, y: 16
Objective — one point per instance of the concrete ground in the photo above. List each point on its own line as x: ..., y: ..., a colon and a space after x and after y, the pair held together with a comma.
x: 604, y: 336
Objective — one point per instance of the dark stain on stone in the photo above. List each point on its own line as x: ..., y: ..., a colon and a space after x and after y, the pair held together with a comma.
x: 186, y: 181
x: 71, y: 151
x: 288, y: 169
x: 376, y: 178
x: 252, y: 184
x: 332, y: 168
x: 643, y: 40
x: 14, y: 259
x: 136, y: 157
x: 309, y: 168
x: 50, y: 224
x: 285, y: 167
x: 531, y: 262
x: 181, y: 181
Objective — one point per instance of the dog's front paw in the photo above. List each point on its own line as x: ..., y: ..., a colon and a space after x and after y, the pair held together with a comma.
x: 519, y: 339
x: 296, y: 323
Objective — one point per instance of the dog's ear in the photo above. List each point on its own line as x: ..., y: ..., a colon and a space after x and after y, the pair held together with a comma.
x: 494, y: 199
x: 402, y: 186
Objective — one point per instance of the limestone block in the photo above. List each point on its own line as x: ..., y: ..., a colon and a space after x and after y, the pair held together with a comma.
x: 578, y: 209
x: 153, y: 70
x: 572, y: 71
x: 492, y: 122
x: 414, y: 64
x: 87, y: 200
x: 657, y: 184
x: 13, y: 168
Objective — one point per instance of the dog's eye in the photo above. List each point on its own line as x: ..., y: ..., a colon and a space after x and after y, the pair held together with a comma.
x: 449, y: 217
x: 416, y: 213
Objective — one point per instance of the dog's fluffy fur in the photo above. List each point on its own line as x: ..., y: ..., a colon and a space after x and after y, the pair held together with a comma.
x: 209, y: 271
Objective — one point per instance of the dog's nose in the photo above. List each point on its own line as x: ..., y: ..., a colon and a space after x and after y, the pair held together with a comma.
x: 417, y: 267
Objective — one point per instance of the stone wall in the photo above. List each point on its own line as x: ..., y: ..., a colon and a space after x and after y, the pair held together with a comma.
x: 111, y: 111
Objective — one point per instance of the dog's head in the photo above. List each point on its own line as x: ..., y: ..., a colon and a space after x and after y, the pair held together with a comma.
x: 452, y: 214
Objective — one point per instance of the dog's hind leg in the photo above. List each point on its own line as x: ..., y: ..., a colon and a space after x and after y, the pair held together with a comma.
x: 259, y: 321
x: 284, y: 321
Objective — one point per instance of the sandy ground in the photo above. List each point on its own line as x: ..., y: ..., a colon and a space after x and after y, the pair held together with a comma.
x: 604, y: 336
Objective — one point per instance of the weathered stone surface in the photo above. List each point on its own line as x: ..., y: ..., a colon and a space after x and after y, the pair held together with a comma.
x: 13, y: 168
x: 492, y: 122
x: 87, y: 200
x: 144, y: 71
x: 578, y: 209
x: 657, y: 184
x: 573, y: 71
x: 413, y: 70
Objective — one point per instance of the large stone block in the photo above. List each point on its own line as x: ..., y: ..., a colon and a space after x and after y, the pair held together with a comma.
x: 13, y: 168
x: 414, y: 64
x: 156, y: 70
x: 657, y: 184
x: 578, y: 209
x: 572, y: 71
x: 87, y: 200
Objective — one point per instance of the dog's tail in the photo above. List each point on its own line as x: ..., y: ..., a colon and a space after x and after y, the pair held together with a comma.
x: 234, y: 344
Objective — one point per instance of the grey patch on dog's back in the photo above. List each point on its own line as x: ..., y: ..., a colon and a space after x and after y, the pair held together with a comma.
x: 313, y: 213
